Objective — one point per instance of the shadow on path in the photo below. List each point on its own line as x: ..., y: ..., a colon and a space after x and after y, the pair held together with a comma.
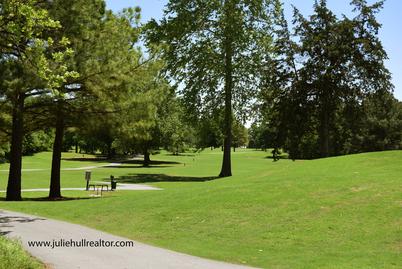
x: 6, y: 222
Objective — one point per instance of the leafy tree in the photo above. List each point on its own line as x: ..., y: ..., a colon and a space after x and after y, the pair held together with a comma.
x: 177, y: 134
x: 37, y: 142
x: 382, y: 123
x: 240, y: 135
x: 215, y: 49
x: 139, y: 130
x: 105, y: 57
x: 30, y: 60
x: 209, y: 131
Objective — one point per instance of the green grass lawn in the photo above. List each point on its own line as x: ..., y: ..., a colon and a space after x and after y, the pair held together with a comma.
x: 13, y: 256
x: 343, y: 212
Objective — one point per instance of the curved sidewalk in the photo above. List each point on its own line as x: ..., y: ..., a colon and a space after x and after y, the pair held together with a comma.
x: 139, y: 256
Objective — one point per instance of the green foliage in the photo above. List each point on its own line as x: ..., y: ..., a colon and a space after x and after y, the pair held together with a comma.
x: 240, y: 135
x: 319, y: 80
x: 4, y: 150
x: 177, y: 135
x: 37, y: 142
x: 260, y: 137
x: 25, y: 41
x: 192, y: 37
x: 382, y: 123
x: 209, y: 132
x: 215, y: 51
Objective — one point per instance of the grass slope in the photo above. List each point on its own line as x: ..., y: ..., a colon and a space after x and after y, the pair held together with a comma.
x: 343, y: 212
x: 12, y: 256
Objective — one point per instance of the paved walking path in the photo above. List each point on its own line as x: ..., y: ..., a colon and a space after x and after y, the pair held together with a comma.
x: 33, y: 228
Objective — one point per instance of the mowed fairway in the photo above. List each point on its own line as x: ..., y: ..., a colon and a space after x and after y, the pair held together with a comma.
x: 343, y: 212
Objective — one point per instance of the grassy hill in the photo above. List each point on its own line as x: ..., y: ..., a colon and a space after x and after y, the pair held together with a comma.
x: 343, y: 212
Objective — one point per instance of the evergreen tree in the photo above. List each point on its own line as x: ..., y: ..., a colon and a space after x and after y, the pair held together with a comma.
x: 105, y: 57
x: 30, y: 61
x: 314, y: 100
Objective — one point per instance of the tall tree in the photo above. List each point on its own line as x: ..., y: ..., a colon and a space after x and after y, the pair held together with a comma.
x: 215, y: 50
x: 25, y: 56
x: 105, y: 57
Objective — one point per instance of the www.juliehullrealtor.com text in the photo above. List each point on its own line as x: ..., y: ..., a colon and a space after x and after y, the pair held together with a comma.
x: 83, y: 243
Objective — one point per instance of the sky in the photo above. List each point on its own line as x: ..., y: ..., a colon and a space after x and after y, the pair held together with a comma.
x: 390, y: 18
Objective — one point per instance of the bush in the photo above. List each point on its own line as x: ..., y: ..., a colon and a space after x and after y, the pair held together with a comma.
x: 37, y: 142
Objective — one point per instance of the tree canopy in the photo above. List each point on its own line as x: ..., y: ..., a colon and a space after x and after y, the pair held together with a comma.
x: 215, y: 50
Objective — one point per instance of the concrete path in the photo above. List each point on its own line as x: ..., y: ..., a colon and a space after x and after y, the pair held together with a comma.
x: 139, y: 256
x: 120, y: 187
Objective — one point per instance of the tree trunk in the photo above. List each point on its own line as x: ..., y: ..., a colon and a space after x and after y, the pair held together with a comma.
x: 147, y: 159
x: 14, y: 176
x: 226, y: 170
x: 55, y: 192
x: 234, y: 149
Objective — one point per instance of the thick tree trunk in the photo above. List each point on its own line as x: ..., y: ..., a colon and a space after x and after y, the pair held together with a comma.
x: 14, y: 176
x: 55, y: 192
x: 147, y: 159
x: 226, y: 170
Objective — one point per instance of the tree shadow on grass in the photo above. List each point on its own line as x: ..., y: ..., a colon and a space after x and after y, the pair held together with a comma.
x: 95, y: 159
x: 135, y: 167
x: 279, y: 157
x: 182, y: 155
x: 148, y: 178
x: 151, y: 162
x: 47, y: 199
x: 139, y: 164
